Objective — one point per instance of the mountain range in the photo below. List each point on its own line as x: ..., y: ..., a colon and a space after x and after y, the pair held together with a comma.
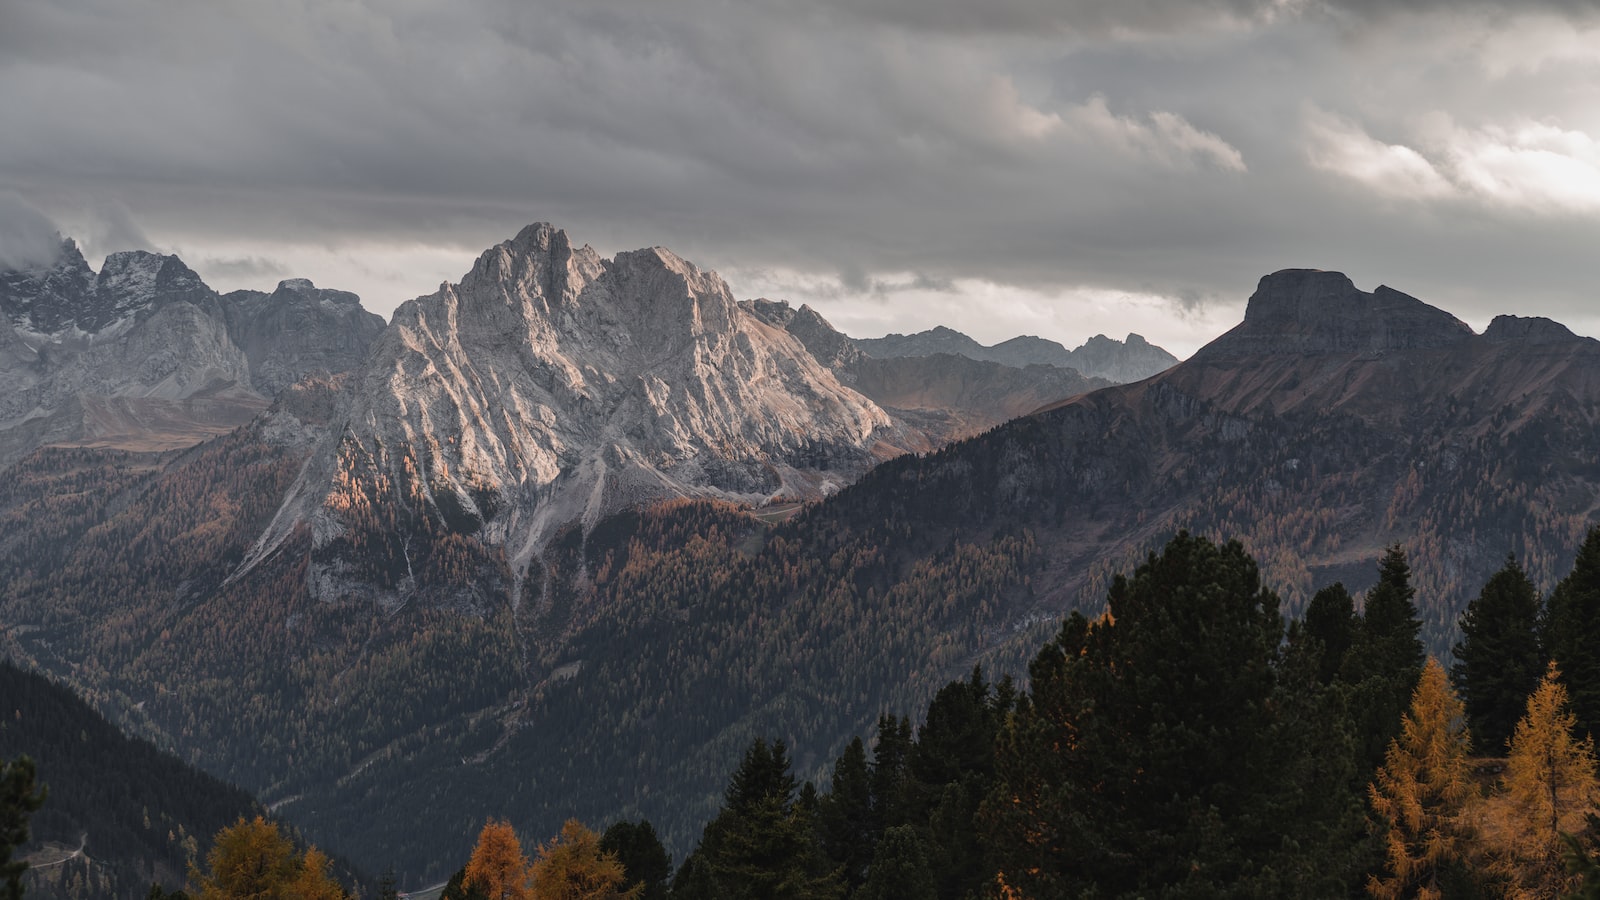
x: 142, y: 354
x: 1134, y: 359
x: 521, y: 560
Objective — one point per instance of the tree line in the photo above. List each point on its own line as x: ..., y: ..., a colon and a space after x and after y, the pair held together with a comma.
x: 1186, y: 742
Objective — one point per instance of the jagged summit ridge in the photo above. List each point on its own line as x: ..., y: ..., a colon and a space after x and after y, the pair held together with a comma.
x: 143, y: 354
x: 1311, y: 311
x: 553, y: 386
x: 67, y: 298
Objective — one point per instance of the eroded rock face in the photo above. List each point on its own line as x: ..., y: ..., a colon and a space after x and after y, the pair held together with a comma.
x: 553, y: 386
x: 1532, y: 329
x: 299, y: 330
x: 1309, y: 311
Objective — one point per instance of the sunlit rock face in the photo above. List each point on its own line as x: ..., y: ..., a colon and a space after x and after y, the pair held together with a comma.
x: 552, y: 386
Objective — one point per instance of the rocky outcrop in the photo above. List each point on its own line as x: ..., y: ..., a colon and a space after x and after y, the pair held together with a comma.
x: 826, y: 344
x: 297, y: 331
x: 1530, y: 329
x: 1311, y: 312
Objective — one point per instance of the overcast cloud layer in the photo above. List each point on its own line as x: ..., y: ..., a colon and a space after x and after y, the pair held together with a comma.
x: 1015, y: 166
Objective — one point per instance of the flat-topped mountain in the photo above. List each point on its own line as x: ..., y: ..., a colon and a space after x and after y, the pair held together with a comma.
x: 297, y: 330
x: 143, y: 354
x: 1307, y: 311
x: 1118, y: 362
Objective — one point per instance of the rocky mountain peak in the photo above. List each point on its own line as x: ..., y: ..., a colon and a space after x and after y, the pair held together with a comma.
x: 552, y: 386
x: 43, y: 298
x: 1529, y: 329
x: 1310, y: 311
x: 302, y: 290
x: 133, y: 281
x: 828, y: 345
x: 540, y: 262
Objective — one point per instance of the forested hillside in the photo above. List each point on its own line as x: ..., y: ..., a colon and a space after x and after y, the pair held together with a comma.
x: 119, y: 814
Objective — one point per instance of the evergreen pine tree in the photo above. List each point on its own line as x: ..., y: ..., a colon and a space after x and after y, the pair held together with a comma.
x: 1385, y: 661
x: 1498, y: 660
x: 18, y: 800
x: 900, y: 869
x: 1572, y: 632
x: 642, y: 856
x: 1332, y: 621
x: 888, y: 772
x: 1148, y: 756
x: 844, y: 815
x: 1422, y: 791
x: 762, y: 844
x: 950, y: 771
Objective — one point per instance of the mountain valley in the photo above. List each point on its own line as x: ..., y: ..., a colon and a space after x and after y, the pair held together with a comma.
x: 506, y: 564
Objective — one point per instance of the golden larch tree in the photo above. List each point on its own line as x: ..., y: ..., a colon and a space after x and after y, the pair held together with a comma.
x: 254, y: 859
x: 1551, y: 784
x: 247, y: 859
x: 1423, y: 790
x: 314, y: 881
x: 573, y: 867
x: 498, y: 866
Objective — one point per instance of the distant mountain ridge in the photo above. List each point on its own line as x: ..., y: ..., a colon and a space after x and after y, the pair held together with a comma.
x: 143, y: 354
x: 947, y: 395
x: 1119, y: 362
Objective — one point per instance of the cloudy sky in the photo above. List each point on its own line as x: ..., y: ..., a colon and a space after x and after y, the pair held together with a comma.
x: 1054, y: 167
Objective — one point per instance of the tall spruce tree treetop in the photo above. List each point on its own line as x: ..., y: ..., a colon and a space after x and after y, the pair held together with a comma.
x: 763, y: 775
x: 844, y: 815
x: 763, y: 844
x: 1331, y: 619
x: 1499, y: 660
x: 1390, y: 617
x: 1572, y: 633
x: 1384, y: 663
x: 645, y: 861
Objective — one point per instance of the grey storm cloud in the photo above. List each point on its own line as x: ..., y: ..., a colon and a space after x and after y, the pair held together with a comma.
x: 871, y: 148
x: 27, y: 237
